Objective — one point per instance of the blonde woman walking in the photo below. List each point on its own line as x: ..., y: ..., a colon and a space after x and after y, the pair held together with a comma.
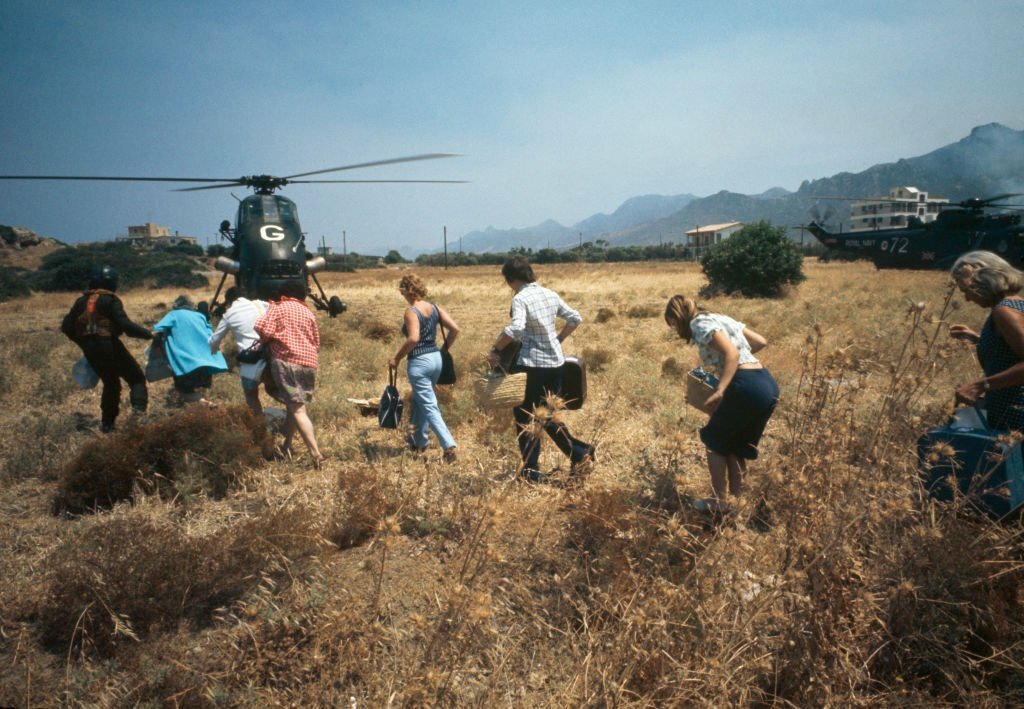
x: 420, y: 329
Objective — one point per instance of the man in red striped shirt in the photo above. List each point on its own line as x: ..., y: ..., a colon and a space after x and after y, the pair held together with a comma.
x: 293, y: 340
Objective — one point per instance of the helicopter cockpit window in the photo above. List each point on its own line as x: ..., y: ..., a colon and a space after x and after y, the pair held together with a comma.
x: 269, y: 207
x: 287, y: 211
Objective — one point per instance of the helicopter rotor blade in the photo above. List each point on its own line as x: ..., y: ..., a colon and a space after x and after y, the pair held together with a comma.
x: 392, y: 161
x: 236, y: 183
x: 117, y: 179
x: 304, y: 182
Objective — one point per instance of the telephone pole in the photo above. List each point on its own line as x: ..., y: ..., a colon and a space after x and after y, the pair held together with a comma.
x: 446, y: 248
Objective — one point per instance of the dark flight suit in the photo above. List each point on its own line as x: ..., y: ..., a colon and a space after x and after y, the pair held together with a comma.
x: 94, y: 323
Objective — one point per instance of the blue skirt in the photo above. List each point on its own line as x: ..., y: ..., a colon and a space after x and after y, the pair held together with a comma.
x: 738, y: 423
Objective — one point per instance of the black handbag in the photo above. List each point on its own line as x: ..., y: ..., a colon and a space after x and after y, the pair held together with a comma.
x: 389, y: 412
x: 574, y: 383
x: 253, y: 354
x: 448, y: 375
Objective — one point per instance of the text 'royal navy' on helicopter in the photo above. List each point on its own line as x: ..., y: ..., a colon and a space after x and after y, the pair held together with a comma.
x: 964, y: 227
x: 268, y: 244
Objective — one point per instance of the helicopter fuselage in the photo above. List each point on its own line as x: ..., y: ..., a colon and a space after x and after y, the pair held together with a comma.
x: 935, y: 244
x: 270, y: 247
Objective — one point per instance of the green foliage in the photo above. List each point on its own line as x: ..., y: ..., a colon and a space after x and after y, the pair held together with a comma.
x: 69, y: 269
x: 348, y: 263
x: 13, y: 284
x: 759, y: 260
x: 395, y: 257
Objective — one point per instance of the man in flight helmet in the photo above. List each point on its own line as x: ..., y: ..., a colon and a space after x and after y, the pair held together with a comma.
x: 95, y: 323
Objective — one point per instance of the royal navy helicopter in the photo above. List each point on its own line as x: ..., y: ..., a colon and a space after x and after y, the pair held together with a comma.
x: 963, y: 227
x: 268, y: 244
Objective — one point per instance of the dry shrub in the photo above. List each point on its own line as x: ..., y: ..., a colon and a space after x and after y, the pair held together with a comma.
x: 671, y: 367
x: 598, y: 358
x: 367, y: 495
x: 639, y: 312
x: 139, y: 570
x: 604, y: 315
x: 379, y: 330
x: 43, y: 449
x: 195, y: 450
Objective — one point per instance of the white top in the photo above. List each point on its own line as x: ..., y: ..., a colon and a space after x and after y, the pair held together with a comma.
x: 705, y: 325
x: 239, y: 319
x: 534, y: 309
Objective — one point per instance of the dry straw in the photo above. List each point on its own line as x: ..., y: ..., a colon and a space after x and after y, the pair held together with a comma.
x: 501, y: 391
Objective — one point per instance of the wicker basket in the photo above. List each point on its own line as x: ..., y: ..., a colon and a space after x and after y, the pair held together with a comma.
x: 501, y: 391
x: 699, y: 386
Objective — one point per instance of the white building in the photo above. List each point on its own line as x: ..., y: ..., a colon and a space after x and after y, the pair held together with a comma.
x: 705, y: 236
x: 895, y: 211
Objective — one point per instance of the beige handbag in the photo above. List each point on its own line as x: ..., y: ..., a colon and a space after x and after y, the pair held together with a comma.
x: 497, y: 390
x: 699, y: 386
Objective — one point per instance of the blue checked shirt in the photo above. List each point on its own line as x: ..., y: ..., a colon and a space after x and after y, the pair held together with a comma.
x: 534, y: 309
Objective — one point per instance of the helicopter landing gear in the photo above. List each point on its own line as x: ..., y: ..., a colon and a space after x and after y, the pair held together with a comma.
x: 335, y: 306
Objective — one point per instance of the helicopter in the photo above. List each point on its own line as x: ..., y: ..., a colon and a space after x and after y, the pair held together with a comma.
x: 268, y: 244
x: 937, y: 244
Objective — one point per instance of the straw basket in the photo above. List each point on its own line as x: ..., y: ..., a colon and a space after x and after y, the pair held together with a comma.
x: 699, y: 386
x: 501, y: 391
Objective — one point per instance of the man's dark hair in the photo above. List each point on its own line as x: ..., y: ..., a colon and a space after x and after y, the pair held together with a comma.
x: 518, y: 269
x: 294, y: 288
x: 232, y: 294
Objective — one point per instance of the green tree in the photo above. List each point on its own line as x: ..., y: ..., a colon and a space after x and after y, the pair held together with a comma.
x: 758, y: 260
x: 394, y: 257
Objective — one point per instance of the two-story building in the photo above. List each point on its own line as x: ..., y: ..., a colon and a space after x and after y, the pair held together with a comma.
x: 898, y: 210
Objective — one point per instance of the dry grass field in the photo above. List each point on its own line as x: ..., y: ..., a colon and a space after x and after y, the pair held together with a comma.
x: 220, y: 579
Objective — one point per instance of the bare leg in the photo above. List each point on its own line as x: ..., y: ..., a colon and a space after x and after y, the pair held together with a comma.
x: 737, y: 468
x: 299, y: 419
x: 717, y: 464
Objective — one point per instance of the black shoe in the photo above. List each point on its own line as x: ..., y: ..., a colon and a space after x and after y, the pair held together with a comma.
x: 107, y: 428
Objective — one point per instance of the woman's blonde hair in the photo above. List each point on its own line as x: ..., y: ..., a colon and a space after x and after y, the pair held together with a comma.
x: 679, y: 311
x: 411, y: 284
x: 987, y: 275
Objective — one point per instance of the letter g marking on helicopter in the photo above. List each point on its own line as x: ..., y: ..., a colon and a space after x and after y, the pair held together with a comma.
x: 271, y: 232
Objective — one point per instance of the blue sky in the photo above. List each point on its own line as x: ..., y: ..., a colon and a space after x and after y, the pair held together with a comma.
x: 560, y: 109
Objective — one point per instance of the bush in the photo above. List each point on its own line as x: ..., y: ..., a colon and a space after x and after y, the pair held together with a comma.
x: 69, y: 269
x: 759, y: 261
x: 13, y: 284
x: 197, y: 450
x: 134, y: 572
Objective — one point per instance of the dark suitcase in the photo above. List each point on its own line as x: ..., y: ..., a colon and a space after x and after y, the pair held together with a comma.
x: 988, y: 470
x: 574, y: 383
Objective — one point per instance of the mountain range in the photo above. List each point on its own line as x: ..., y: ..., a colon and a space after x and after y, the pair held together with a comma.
x: 987, y: 162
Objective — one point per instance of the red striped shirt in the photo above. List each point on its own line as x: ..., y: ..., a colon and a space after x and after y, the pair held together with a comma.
x: 289, y: 329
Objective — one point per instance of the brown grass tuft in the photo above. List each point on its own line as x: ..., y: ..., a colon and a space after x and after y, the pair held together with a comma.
x: 198, y: 450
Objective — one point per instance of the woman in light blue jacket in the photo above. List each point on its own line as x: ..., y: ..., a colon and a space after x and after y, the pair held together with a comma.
x: 186, y: 334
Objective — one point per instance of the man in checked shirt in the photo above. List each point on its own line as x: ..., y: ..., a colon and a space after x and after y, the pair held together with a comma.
x: 534, y: 309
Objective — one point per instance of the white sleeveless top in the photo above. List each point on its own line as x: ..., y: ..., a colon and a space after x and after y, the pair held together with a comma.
x: 705, y: 325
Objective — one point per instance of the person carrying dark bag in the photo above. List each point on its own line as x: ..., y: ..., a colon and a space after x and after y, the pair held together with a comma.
x: 534, y: 311
x: 95, y: 323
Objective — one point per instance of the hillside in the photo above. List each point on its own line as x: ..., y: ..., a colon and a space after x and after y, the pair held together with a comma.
x: 24, y: 249
x: 987, y: 162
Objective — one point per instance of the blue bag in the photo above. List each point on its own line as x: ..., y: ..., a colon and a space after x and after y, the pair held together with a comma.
x: 389, y: 412
x: 987, y: 468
